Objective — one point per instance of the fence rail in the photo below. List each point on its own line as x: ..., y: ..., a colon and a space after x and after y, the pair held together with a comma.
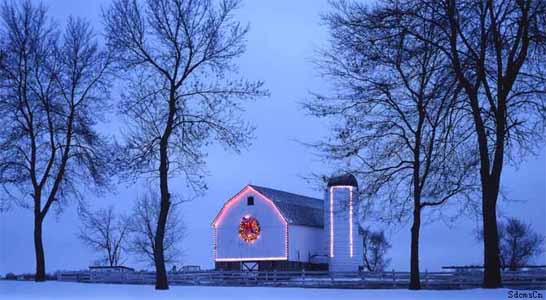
x: 534, y: 279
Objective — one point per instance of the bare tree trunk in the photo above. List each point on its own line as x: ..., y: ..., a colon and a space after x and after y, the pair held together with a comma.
x: 492, y: 274
x: 415, y: 282
x: 39, y: 247
x: 490, y: 189
x: 161, y: 282
x: 492, y: 263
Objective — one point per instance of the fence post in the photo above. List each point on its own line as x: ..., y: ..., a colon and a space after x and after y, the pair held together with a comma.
x: 426, y: 277
x: 393, y: 278
x: 275, y: 275
x: 361, y: 275
x: 303, y: 276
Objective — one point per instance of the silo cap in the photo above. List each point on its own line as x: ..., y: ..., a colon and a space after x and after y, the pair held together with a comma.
x: 347, y: 179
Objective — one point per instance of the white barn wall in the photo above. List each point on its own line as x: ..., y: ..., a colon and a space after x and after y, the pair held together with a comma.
x: 338, y: 243
x: 271, y: 242
x: 305, y: 240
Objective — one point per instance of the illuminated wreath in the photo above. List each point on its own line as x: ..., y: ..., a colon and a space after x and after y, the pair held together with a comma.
x: 249, y: 229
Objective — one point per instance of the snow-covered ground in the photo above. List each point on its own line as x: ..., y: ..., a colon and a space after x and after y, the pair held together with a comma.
x: 16, y: 290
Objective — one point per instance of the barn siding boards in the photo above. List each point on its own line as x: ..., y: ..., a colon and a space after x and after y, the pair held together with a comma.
x: 271, y: 243
x: 304, y: 243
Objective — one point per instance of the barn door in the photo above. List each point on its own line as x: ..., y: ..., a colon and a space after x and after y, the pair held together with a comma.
x: 249, y: 266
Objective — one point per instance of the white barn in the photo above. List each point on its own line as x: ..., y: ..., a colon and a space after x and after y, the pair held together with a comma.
x: 267, y: 229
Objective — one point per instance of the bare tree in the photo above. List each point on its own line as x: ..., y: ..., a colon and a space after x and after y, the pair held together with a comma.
x: 518, y: 243
x: 179, y: 56
x: 375, y: 245
x: 52, y: 90
x: 105, y: 232
x: 397, y: 125
x: 496, y: 50
x: 143, y: 223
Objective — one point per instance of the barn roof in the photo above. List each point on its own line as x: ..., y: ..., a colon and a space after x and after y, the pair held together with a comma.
x: 296, y: 209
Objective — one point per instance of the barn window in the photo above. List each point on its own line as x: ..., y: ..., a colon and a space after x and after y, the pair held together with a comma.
x: 250, y: 201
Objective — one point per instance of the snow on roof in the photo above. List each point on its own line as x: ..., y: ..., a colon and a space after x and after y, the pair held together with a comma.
x: 296, y: 209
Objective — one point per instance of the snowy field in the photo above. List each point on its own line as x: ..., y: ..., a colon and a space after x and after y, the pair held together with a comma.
x: 13, y: 290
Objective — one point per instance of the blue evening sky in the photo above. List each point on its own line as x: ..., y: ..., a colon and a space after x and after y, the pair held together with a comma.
x: 282, y: 40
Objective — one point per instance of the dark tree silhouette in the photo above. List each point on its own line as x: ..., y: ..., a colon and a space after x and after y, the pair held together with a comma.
x: 518, y: 243
x: 375, y: 248
x: 52, y: 91
x: 143, y: 223
x: 396, y: 116
x: 496, y: 50
x: 105, y: 232
x: 179, y: 56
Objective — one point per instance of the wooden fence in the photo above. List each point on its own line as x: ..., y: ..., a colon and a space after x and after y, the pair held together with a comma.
x: 535, y: 279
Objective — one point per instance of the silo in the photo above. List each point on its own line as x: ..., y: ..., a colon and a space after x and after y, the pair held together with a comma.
x: 343, y: 238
